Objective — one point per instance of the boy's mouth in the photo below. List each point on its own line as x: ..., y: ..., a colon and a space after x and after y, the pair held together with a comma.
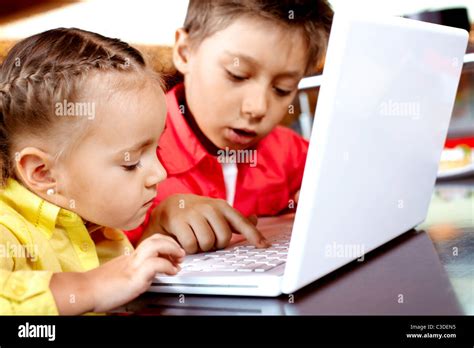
x: 240, y: 136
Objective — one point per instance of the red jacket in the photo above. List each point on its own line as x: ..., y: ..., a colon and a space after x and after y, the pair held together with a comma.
x: 264, y: 187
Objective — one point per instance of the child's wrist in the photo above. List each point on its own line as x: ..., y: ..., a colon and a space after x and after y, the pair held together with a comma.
x: 88, y: 289
x: 72, y: 293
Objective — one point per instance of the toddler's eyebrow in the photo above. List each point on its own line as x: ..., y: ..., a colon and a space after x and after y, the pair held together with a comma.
x: 137, y: 146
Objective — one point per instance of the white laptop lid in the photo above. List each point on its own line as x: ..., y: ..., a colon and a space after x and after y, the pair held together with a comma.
x: 381, y: 120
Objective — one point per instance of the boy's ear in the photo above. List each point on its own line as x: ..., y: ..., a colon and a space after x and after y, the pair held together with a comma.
x: 181, y: 51
x: 33, y: 166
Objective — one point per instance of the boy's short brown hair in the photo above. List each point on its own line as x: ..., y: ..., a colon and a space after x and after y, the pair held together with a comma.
x: 313, y: 17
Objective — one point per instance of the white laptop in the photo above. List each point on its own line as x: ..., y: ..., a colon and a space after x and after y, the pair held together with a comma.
x: 381, y: 120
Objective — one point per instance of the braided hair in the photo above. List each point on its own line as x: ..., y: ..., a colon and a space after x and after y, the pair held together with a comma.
x: 49, y: 67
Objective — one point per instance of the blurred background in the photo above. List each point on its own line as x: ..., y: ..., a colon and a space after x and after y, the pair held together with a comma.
x: 150, y: 25
x: 154, y: 22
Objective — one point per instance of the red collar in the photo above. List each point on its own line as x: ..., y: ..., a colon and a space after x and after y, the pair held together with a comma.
x: 179, y: 148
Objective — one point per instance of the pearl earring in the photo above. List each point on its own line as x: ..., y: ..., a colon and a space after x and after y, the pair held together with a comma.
x: 50, y: 192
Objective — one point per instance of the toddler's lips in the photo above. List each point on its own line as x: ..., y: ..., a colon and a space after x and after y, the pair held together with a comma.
x: 240, y: 136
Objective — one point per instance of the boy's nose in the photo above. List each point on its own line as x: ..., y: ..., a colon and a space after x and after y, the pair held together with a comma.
x: 255, y: 104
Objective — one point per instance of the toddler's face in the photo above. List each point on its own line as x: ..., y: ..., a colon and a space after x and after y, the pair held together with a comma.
x: 241, y: 80
x: 111, y: 177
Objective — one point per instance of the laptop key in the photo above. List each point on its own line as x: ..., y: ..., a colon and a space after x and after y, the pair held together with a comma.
x: 275, y: 263
x: 193, y: 269
x: 258, y: 256
x: 222, y: 267
x: 253, y: 259
x: 246, y: 261
x: 237, y: 265
x: 241, y: 257
x: 247, y: 268
x: 263, y: 268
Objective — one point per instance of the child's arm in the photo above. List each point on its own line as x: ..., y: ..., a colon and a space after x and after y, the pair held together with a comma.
x: 119, y: 280
x: 201, y: 223
x: 104, y: 288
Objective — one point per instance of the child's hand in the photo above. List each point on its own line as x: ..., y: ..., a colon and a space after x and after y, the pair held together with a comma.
x: 124, y: 278
x: 119, y: 280
x: 201, y: 223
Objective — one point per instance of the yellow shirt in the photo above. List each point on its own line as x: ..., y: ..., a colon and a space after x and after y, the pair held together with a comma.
x: 37, y: 239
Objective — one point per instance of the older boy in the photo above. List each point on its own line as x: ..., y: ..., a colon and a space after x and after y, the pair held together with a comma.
x: 223, y: 148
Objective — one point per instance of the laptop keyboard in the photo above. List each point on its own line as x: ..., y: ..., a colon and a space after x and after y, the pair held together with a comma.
x: 244, y: 258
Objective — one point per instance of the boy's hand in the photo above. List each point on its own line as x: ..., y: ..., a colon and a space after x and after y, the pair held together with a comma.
x: 201, y: 223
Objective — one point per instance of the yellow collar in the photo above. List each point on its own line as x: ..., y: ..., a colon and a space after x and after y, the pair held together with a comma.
x: 39, y: 212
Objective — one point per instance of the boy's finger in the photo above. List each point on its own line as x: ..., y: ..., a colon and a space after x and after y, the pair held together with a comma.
x: 253, y: 219
x: 204, y: 234
x: 185, y: 236
x: 241, y: 225
x: 220, y: 226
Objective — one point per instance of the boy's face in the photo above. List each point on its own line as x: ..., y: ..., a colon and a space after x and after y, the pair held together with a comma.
x: 111, y: 177
x: 240, y: 80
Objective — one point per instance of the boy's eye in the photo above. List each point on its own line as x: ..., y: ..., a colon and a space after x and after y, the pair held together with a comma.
x: 282, y: 92
x: 132, y: 167
x: 236, y: 78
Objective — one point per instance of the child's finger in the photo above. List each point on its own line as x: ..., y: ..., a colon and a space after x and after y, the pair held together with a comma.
x: 204, y: 234
x: 253, y: 219
x: 220, y: 226
x: 185, y: 236
x: 153, y: 247
x: 160, y: 265
x: 241, y: 225
x: 165, y: 237
x: 176, y: 260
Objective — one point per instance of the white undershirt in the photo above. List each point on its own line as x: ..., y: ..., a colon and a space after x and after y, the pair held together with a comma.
x: 230, y: 179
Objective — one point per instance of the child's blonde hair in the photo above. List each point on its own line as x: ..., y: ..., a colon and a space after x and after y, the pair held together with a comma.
x: 48, y: 68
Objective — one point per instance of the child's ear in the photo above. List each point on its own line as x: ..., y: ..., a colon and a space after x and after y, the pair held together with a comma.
x: 181, y: 51
x: 33, y: 166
